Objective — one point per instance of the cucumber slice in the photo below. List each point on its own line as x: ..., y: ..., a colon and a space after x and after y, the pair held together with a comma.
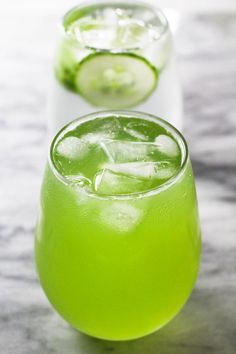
x: 118, y: 80
x: 66, y: 65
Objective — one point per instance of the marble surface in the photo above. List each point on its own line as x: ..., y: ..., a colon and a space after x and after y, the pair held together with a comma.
x: 206, y: 45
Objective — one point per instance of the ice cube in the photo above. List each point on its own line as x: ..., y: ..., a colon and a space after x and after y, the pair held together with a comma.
x: 139, y: 130
x: 111, y: 127
x: 109, y: 16
x: 92, y: 32
x: 80, y: 186
x: 94, y: 138
x: 105, y: 130
x: 167, y: 145
x: 72, y: 148
x: 79, y: 180
x: 109, y: 182
x: 144, y: 170
x: 136, y: 134
x: 165, y: 170
x: 121, y: 216
x: 119, y: 151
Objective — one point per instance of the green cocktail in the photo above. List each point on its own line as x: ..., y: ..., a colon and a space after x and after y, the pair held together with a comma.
x: 117, y: 240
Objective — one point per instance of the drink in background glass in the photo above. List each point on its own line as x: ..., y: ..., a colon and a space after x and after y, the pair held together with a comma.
x: 117, y: 240
x: 115, y: 55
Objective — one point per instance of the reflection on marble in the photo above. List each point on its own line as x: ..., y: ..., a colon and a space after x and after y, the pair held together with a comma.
x: 207, y: 50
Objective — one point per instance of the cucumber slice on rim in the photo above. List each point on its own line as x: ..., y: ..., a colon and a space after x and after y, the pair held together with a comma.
x: 115, y: 80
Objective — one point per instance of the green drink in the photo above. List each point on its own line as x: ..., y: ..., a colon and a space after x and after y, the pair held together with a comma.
x: 117, y: 241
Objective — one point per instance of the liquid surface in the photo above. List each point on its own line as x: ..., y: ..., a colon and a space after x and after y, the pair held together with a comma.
x: 117, y: 155
x: 113, y: 27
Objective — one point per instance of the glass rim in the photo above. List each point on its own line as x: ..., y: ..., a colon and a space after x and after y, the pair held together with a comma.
x: 129, y: 114
x: 125, y: 3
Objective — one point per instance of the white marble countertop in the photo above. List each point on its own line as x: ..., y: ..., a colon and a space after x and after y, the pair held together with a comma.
x: 206, y: 45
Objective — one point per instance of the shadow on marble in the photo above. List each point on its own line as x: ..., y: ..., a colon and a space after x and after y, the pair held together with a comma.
x: 206, y: 326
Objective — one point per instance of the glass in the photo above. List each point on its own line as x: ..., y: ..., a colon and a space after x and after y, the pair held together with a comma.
x: 115, y: 55
x: 117, y: 266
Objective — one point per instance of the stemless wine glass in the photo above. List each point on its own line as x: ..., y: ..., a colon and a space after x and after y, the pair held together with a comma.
x: 117, y: 242
x: 115, y: 55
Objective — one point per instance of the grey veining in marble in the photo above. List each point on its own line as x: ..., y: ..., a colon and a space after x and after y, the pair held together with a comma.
x: 207, y: 56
